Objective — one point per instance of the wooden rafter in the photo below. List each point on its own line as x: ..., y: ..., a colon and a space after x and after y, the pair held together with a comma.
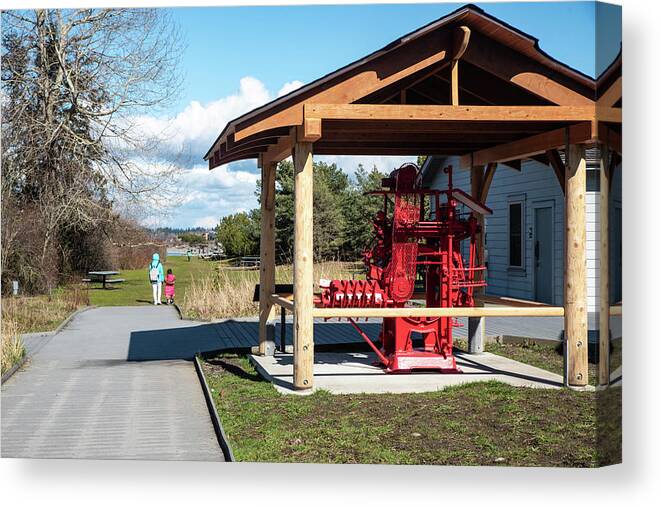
x: 465, y: 91
x: 509, y: 65
x: 558, y: 166
x: 279, y: 151
x: 524, y: 148
x: 489, y: 173
x: 412, y: 58
x: 612, y: 95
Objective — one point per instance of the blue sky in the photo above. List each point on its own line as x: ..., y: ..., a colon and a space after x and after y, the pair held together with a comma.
x: 239, y: 57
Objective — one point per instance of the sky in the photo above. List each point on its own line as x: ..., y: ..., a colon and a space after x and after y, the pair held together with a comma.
x: 238, y: 58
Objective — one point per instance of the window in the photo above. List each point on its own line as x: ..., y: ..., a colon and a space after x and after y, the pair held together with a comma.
x: 592, y: 180
x: 516, y: 241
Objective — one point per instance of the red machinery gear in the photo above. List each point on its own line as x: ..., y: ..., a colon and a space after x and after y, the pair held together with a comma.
x: 415, y: 235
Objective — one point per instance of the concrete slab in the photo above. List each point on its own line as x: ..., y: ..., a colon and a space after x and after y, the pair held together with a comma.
x: 355, y: 372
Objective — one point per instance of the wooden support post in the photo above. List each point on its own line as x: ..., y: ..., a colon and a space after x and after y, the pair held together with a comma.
x: 303, y: 277
x: 576, y: 316
x: 454, y: 82
x: 477, y: 325
x: 267, y: 260
x: 604, y: 270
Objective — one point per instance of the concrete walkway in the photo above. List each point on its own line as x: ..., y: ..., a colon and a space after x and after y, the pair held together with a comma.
x: 356, y: 372
x: 117, y: 382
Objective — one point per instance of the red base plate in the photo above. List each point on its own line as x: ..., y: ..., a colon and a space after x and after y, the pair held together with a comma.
x: 405, y: 362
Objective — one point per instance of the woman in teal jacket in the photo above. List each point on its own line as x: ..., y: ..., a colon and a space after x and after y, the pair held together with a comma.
x: 156, y: 277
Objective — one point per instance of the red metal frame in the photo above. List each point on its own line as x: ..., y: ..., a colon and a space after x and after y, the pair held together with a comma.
x: 410, y: 237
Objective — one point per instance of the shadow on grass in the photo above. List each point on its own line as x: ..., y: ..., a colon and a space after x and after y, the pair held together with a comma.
x: 235, y: 370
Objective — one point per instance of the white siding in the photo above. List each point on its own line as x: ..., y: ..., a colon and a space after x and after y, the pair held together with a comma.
x: 538, y: 185
x: 592, y: 249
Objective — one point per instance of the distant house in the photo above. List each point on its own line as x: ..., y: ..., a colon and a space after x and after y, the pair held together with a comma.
x: 524, y: 240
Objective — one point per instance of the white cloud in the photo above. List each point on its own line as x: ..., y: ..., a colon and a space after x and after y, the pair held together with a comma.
x: 289, y: 87
x: 189, y: 134
x: 206, y: 196
x: 208, y: 222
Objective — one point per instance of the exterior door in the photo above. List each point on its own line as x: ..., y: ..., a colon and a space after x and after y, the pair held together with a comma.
x: 543, y: 254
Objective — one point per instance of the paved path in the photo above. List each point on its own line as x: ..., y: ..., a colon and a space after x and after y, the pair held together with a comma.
x: 113, y: 384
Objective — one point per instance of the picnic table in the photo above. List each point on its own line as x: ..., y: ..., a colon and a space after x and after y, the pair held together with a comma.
x: 249, y: 261
x: 104, y: 277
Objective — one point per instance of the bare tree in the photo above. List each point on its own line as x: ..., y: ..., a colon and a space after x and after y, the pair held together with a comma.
x: 74, y: 84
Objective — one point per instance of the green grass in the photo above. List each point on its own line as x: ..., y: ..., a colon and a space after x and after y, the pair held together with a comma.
x: 475, y: 424
x: 136, y: 289
x: 546, y: 356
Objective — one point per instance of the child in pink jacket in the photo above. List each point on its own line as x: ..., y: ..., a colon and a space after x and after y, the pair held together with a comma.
x: 169, y: 287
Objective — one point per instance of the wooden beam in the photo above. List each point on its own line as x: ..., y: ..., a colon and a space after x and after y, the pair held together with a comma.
x: 522, y: 128
x: 303, y: 276
x: 614, y: 93
x: 393, y: 112
x: 461, y: 39
x: 266, y: 141
x: 466, y: 91
x: 282, y: 302
x: 467, y: 311
x: 558, y: 166
x: 454, y: 82
x: 280, y: 151
x: 311, y: 130
x: 392, y: 93
x: 424, y: 52
x: 575, y: 293
x: 524, y: 148
x: 240, y: 155
x: 489, y: 173
x: 266, y: 256
x: 604, y: 269
x: 510, y: 65
x: 507, y: 301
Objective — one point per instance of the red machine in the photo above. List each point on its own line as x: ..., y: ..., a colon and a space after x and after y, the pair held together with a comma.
x: 418, y: 228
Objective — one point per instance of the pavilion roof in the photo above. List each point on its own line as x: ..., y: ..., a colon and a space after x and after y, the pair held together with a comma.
x: 487, y: 81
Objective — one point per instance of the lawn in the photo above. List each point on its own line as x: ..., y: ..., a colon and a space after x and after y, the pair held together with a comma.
x: 136, y: 289
x: 475, y: 424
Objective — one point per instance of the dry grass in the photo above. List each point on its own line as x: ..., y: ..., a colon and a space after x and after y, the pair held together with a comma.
x: 12, y: 345
x: 43, y: 313
x: 30, y: 314
x: 229, y: 292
